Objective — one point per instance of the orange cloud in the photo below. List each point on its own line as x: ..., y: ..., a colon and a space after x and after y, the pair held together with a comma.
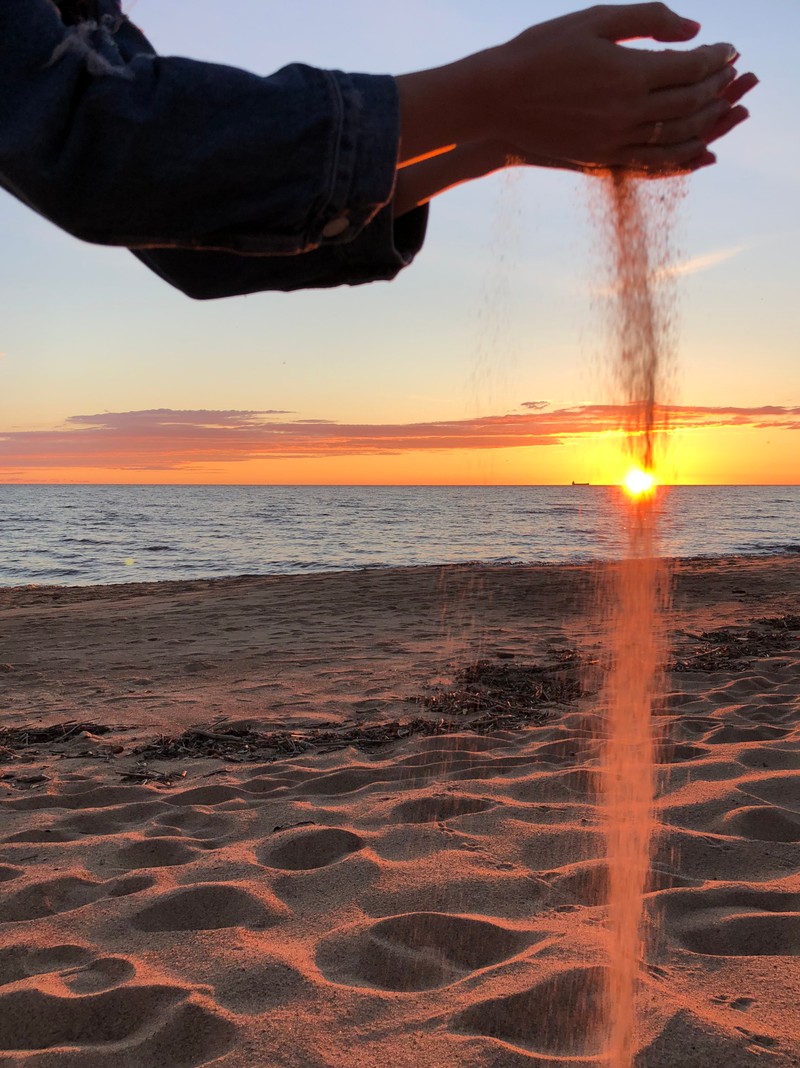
x: 165, y: 440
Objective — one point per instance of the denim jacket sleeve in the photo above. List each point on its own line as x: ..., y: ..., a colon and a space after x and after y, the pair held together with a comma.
x: 283, y: 181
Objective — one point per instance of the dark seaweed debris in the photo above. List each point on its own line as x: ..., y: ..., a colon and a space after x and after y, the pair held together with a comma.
x: 240, y: 746
x: 14, y: 738
x: 243, y: 745
x: 504, y: 692
x: 488, y: 697
x: 237, y: 744
x: 728, y: 648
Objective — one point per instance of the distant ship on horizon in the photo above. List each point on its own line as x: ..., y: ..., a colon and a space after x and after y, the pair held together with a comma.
x: 581, y: 483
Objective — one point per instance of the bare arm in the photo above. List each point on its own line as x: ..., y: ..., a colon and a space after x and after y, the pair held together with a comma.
x: 419, y: 182
x: 567, y: 90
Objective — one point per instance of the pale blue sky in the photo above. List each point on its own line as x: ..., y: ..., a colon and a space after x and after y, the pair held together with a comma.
x: 503, y: 282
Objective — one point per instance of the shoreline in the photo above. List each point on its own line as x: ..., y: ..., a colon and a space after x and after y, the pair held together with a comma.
x: 300, y: 650
x: 149, y: 585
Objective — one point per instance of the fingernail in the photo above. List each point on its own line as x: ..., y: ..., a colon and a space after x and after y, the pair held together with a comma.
x: 730, y: 74
x: 690, y: 25
x: 738, y: 55
x: 733, y: 54
x: 706, y: 159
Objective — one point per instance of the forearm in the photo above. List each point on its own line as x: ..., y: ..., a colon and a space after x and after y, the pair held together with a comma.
x: 418, y: 184
x: 443, y: 107
x: 567, y: 90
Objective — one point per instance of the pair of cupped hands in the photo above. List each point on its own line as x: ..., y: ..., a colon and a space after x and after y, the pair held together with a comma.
x: 568, y: 93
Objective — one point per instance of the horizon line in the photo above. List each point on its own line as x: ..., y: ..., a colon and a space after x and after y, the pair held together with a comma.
x: 408, y: 485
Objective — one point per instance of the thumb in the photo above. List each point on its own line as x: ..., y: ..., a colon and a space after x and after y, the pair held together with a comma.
x: 631, y: 21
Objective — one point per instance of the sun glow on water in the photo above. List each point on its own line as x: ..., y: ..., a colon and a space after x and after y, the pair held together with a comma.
x: 639, y: 483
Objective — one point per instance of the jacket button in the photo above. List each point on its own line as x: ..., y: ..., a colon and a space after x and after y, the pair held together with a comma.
x: 336, y: 227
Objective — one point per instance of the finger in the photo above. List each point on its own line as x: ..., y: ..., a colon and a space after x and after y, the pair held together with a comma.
x: 678, y: 131
x: 633, y: 21
x: 728, y: 122
x: 668, y: 104
x: 737, y: 89
x: 666, y: 70
x: 661, y: 157
x: 705, y: 159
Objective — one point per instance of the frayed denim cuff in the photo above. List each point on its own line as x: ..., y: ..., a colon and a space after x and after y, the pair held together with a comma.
x: 364, y: 166
x: 383, y: 248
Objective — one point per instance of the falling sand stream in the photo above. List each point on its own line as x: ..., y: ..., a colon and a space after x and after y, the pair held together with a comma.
x: 637, y: 219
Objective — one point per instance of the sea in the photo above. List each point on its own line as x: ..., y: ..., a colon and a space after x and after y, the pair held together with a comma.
x: 90, y: 535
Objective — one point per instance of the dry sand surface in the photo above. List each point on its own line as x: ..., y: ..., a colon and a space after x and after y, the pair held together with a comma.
x: 335, y: 874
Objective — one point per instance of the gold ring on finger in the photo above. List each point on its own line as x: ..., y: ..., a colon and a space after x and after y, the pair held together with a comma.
x: 655, y: 136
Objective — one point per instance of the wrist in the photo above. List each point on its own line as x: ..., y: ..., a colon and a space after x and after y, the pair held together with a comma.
x: 443, y: 106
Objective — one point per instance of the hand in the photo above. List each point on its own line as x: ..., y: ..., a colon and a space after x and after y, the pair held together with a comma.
x: 567, y: 90
x: 719, y: 123
x: 418, y: 184
x: 571, y: 92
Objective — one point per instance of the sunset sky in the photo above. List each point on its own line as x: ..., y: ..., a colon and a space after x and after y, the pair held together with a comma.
x: 484, y: 362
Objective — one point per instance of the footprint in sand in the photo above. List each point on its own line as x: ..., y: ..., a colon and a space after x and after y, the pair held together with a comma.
x: 78, y: 967
x: 85, y: 798
x: 768, y: 758
x: 263, y: 786
x: 736, y: 733
x: 749, y: 935
x: 42, y: 836
x: 104, y: 973
x: 193, y: 823
x: 111, y: 820
x: 206, y: 795
x: 763, y: 822
x: 418, y: 951
x: 448, y: 746
x: 20, y: 961
x: 438, y: 809
x: 562, y: 1016
x: 157, y: 853
x: 350, y: 780
x: 724, y: 857
x: 587, y: 883
x: 207, y: 907
x: 678, y: 753
x: 569, y: 751
x: 132, y: 884
x: 308, y: 850
x: 269, y: 984
x: 783, y: 790
x: 65, y: 894
x: 737, y: 922
x: 49, y: 898
x: 548, y: 849
x: 695, y: 727
x: 710, y: 1045
x: 153, y: 1024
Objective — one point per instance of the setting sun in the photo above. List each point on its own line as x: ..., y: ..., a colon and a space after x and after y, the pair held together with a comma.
x: 638, y: 482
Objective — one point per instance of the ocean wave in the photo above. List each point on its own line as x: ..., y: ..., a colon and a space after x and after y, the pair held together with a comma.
x: 222, y: 531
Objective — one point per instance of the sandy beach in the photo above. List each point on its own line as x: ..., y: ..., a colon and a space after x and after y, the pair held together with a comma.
x: 350, y: 820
